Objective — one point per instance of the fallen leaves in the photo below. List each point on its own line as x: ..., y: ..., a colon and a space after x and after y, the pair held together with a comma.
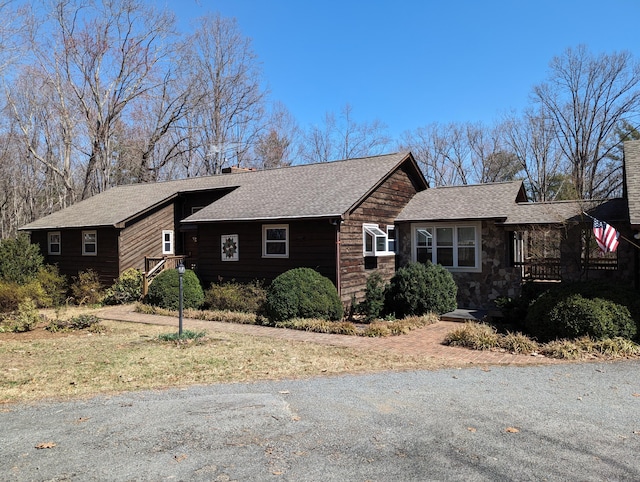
x: 472, y: 429
x: 512, y: 430
x: 45, y: 445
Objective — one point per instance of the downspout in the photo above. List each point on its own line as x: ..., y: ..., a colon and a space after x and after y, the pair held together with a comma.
x: 337, y: 223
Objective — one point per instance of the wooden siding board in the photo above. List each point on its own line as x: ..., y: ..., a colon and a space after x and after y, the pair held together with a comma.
x: 71, y: 261
x: 381, y: 207
x: 144, y: 237
x: 311, y: 244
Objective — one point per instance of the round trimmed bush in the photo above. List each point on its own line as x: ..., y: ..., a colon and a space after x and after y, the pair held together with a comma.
x: 574, y: 316
x: 165, y: 290
x: 616, y: 305
x: 418, y: 288
x: 303, y: 293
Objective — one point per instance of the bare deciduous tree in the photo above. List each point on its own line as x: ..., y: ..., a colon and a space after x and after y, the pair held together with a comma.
x: 276, y: 146
x: 109, y: 53
x: 586, y: 97
x: 228, y: 116
x: 343, y: 138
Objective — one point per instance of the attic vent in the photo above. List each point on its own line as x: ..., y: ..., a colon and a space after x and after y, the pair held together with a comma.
x: 233, y: 170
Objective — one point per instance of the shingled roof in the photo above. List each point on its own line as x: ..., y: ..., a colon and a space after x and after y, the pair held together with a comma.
x: 479, y: 201
x: 632, y: 179
x: 314, y: 190
x: 310, y: 191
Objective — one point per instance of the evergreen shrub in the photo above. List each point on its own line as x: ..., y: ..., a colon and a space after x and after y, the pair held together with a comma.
x: 373, y: 304
x: 126, y: 289
x: 303, y: 293
x: 20, y: 260
x: 557, y: 312
x: 165, y: 290
x: 418, y: 289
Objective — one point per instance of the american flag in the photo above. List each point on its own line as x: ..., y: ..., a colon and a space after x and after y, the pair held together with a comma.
x: 606, y: 236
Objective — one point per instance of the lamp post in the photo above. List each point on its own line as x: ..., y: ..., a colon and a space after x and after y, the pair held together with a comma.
x: 181, y: 271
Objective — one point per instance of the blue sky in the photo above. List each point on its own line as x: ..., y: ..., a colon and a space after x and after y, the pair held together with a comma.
x: 409, y: 63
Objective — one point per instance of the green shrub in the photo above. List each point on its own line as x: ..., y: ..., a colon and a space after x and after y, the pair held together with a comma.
x: 126, y: 289
x: 165, y: 293
x: 247, y: 298
x: 20, y: 260
x: 25, y: 318
x: 536, y: 320
x: 86, y: 288
x: 302, y: 293
x: 419, y: 288
x: 557, y: 315
x: 373, y: 303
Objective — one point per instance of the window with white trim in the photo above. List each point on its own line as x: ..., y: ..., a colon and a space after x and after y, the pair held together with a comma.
x: 167, y: 242
x: 275, y: 241
x: 89, y: 243
x: 54, y: 242
x: 374, y: 241
x: 454, y: 246
x: 391, y: 238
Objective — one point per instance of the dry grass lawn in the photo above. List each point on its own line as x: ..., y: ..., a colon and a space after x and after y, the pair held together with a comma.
x: 129, y: 356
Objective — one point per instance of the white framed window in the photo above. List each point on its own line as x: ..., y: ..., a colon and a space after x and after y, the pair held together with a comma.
x: 454, y: 246
x: 89, y: 243
x: 374, y: 241
x: 275, y: 241
x: 167, y: 242
x: 391, y: 238
x: 54, y: 242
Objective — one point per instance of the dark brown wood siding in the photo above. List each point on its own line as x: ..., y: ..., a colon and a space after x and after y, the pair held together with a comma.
x: 381, y: 207
x: 312, y: 244
x: 71, y: 261
x: 143, y: 237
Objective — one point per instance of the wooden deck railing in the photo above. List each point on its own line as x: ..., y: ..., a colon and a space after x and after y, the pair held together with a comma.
x: 153, y: 266
x: 547, y: 269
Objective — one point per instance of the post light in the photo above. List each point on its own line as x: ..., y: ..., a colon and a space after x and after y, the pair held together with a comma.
x: 181, y: 270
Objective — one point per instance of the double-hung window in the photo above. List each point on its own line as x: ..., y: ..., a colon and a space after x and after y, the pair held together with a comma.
x: 375, y: 241
x: 55, y: 246
x: 275, y: 241
x: 454, y: 246
x: 89, y: 243
x: 167, y: 242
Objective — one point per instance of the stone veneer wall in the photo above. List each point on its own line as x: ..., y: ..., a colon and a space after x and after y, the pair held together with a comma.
x: 497, y: 278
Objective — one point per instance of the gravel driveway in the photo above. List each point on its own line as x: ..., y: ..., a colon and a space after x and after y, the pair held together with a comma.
x: 568, y: 422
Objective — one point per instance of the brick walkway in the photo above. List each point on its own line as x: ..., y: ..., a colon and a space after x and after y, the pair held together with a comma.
x: 425, y: 341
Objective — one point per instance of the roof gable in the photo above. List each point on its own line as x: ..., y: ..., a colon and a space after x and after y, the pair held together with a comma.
x: 309, y: 191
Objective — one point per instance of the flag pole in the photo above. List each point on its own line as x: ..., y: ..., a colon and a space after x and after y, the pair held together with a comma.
x: 620, y: 235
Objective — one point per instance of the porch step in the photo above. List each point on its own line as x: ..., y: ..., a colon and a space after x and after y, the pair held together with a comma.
x: 462, y: 315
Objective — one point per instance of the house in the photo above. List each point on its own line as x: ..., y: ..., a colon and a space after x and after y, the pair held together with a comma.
x: 346, y: 219
x: 337, y: 218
